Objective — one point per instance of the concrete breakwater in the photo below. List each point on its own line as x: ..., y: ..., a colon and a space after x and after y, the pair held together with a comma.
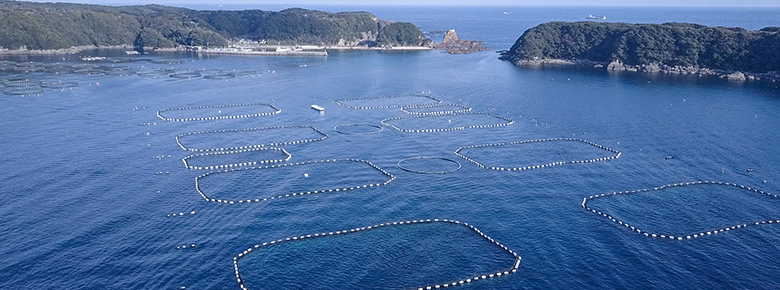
x: 454, y: 283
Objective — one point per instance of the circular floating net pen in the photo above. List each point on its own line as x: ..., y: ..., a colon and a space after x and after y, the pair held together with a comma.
x: 120, y: 60
x: 547, y: 158
x: 167, y: 61
x: 417, y: 254
x: 435, y: 109
x: 238, y: 139
x: 118, y: 71
x: 219, y: 76
x: 21, y: 87
x: 154, y: 72
x: 29, y: 91
x: 59, y: 85
x: 29, y: 67
x: 233, y: 186
x: 7, y: 66
x: 242, y: 73
x: 386, y: 102
x: 21, y: 83
x: 221, y: 160
x: 58, y: 68
x: 88, y: 71
x: 429, y: 165
x: 185, y: 75
x: 218, y: 112
x: 358, y: 129
x: 448, y: 122
x: 756, y: 208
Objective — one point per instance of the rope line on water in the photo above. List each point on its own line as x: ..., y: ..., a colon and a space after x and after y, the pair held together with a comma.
x: 339, y: 101
x: 178, y: 138
x: 685, y: 236
x: 388, y: 120
x: 160, y: 112
x: 459, y: 282
x: 223, y: 166
x: 226, y: 201
x: 408, y: 109
x: 458, y: 152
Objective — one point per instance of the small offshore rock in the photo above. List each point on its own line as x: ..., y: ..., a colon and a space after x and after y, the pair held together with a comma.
x: 736, y: 77
x: 453, y: 45
x: 652, y: 68
x: 616, y: 65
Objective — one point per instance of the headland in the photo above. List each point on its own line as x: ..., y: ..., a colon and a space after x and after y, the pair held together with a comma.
x: 675, y: 48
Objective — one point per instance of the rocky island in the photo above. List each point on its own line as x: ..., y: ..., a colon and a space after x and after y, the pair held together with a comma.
x: 28, y: 27
x: 454, y: 45
x: 675, y: 48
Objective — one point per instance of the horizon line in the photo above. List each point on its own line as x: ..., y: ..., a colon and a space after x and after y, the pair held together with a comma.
x: 178, y: 4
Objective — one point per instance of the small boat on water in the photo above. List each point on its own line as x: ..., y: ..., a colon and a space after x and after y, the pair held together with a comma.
x: 591, y: 16
x: 318, y: 108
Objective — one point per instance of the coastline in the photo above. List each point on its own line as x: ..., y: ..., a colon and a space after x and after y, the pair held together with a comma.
x: 393, y: 48
x: 308, y: 50
x: 617, y: 66
x: 61, y: 51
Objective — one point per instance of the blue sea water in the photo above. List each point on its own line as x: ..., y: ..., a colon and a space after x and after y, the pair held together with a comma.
x: 90, y: 175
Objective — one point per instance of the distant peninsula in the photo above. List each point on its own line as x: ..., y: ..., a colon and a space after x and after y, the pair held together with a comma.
x: 677, y: 48
x: 28, y: 27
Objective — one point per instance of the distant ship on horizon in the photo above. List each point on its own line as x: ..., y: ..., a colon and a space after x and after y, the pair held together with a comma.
x: 591, y: 16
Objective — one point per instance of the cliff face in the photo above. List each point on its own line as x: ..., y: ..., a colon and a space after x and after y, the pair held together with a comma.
x: 650, y: 46
x: 41, y: 26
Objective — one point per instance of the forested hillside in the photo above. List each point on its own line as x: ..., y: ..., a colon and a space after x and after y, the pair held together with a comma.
x: 39, y: 26
x: 669, y: 44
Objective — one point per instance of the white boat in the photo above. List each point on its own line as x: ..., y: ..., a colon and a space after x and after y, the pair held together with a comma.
x: 318, y: 108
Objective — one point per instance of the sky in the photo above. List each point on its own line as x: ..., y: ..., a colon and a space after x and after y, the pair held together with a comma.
x: 691, y: 3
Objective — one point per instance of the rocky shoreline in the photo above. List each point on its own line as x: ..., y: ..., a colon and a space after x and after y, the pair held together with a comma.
x: 618, y: 66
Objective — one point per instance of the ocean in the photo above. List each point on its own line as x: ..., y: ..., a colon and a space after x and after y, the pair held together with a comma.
x: 96, y: 196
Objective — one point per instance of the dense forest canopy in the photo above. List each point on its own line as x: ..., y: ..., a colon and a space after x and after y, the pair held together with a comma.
x: 672, y: 44
x: 61, y: 25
